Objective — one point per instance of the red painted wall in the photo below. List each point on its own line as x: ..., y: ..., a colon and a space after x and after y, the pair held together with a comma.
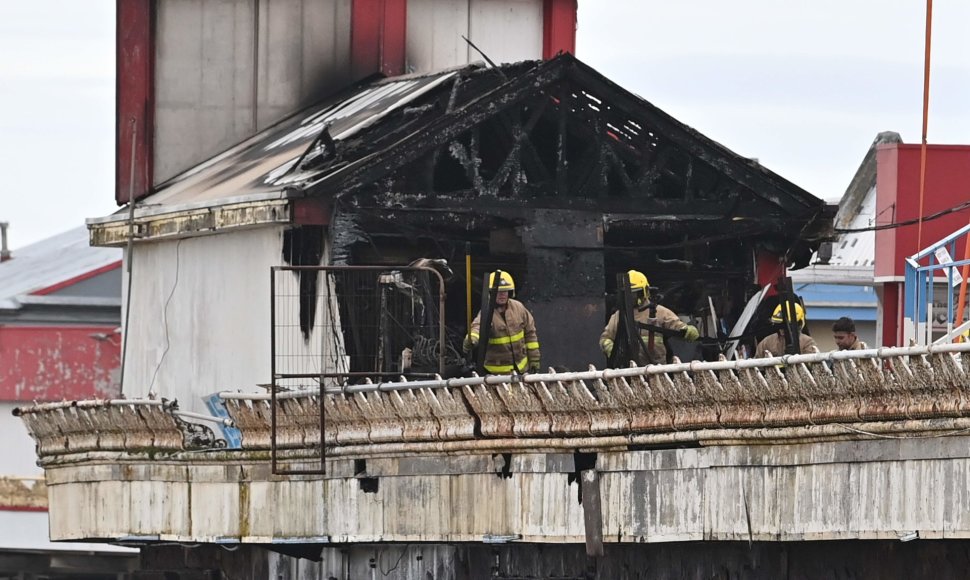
x: 558, y: 27
x: 770, y: 269
x: 378, y: 32
x: 947, y: 184
x: 891, y: 316
x: 135, y: 94
x: 53, y: 363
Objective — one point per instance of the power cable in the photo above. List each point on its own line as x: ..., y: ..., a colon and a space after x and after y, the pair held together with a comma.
x: 939, y: 214
x: 168, y: 342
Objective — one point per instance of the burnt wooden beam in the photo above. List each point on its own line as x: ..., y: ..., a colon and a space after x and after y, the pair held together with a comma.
x: 562, y: 184
x: 469, y: 160
x: 438, y: 132
x: 530, y: 158
x: 763, y: 183
x: 587, y: 164
x: 636, y: 210
x: 513, y: 160
x: 620, y: 169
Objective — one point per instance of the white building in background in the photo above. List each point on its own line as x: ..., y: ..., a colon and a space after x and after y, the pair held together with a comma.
x: 59, y: 312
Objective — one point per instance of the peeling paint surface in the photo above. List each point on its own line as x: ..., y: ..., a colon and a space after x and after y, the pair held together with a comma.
x: 43, y: 363
x: 853, y: 445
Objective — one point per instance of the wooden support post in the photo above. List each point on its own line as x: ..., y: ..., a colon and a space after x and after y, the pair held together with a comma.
x: 592, y: 512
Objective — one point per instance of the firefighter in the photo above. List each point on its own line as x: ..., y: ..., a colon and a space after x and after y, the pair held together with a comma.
x: 774, y: 343
x: 513, y: 345
x: 646, y: 313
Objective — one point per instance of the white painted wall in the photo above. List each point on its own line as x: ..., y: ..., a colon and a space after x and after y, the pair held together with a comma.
x: 506, y: 30
x: 17, y: 457
x: 201, y: 316
x: 205, y: 70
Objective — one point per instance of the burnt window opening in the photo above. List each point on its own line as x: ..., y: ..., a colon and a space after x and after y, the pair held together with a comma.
x: 683, y: 275
x: 368, y: 484
x: 581, y: 462
x: 303, y: 246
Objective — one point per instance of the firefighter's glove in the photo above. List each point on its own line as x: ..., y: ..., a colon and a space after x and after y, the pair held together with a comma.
x: 691, y: 334
x: 607, y: 346
x: 469, y: 343
x: 533, y: 366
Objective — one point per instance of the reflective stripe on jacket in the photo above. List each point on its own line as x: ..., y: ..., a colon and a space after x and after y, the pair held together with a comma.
x: 513, y: 342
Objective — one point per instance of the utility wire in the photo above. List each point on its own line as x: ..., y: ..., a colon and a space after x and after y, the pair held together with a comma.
x: 939, y: 214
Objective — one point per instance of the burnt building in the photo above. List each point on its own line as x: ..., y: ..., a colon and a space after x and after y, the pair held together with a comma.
x: 545, y: 168
x: 565, y: 179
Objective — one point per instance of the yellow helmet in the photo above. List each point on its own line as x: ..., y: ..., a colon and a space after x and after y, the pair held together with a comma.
x: 777, y: 317
x: 505, y: 282
x: 637, y: 280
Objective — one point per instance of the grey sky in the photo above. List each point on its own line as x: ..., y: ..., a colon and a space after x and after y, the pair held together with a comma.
x: 802, y: 85
x: 56, y: 115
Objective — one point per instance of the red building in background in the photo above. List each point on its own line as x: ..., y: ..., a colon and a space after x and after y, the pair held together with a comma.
x: 60, y: 306
x: 947, y: 185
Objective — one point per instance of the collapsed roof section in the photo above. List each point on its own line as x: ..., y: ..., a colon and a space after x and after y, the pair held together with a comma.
x: 554, y: 134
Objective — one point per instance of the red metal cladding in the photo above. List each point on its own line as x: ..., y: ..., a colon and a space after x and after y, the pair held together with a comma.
x: 394, y: 37
x: 558, y: 27
x: 770, y: 269
x: 53, y: 363
x: 892, y: 323
x: 378, y: 37
x: 135, y: 105
x: 897, y: 200
x: 312, y: 212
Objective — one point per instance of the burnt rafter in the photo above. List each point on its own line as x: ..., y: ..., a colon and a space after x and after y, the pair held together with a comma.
x: 761, y: 182
x: 550, y: 131
x: 441, y: 130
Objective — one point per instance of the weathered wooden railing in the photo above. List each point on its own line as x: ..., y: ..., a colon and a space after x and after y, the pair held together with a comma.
x: 810, y: 396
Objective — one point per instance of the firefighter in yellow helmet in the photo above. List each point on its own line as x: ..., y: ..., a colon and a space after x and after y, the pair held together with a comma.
x: 646, y: 313
x: 513, y: 345
x: 774, y: 343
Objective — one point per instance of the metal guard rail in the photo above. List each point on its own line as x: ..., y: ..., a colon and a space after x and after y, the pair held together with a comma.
x: 886, y: 384
x: 908, y: 384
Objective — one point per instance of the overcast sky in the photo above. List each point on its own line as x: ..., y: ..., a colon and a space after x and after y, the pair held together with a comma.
x: 804, y: 86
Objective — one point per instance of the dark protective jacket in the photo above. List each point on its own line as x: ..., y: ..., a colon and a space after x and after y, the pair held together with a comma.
x: 513, y: 343
x: 664, y: 318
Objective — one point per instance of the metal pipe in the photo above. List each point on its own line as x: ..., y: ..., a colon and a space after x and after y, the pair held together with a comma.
x: 606, y: 374
x: 4, y: 250
x: 129, y: 255
x: 704, y: 437
x: 99, y: 403
x: 272, y: 367
x: 210, y: 418
x: 89, y: 404
x: 909, y: 429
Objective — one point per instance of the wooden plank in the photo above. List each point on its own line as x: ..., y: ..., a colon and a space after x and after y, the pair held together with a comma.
x: 592, y: 512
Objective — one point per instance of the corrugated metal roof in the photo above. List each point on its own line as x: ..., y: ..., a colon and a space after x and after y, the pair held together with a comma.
x: 49, y: 262
x: 853, y: 254
x: 265, y: 164
x: 858, y: 248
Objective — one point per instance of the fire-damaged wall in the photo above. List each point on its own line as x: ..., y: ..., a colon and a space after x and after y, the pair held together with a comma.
x: 200, y: 312
x: 565, y: 265
x: 856, y: 560
x: 554, y: 174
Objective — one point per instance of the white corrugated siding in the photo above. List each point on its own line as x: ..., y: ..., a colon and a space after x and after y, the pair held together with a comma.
x: 214, y: 333
x: 204, y: 71
x: 505, y: 30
